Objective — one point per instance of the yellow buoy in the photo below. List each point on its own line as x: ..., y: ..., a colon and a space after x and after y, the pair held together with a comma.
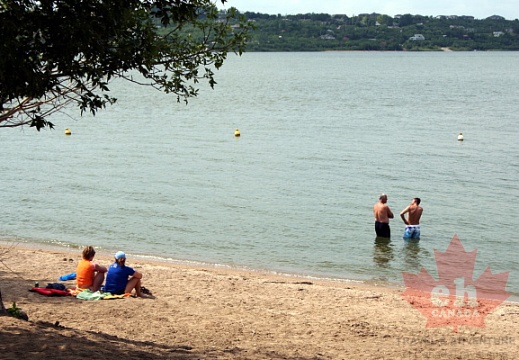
x: 68, y: 132
x: 460, y: 137
x: 236, y: 132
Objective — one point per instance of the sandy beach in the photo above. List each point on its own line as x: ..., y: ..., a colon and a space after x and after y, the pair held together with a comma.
x: 214, y: 313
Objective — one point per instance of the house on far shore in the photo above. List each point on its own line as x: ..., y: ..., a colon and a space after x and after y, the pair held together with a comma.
x: 327, y: 37
x: 417, y: 37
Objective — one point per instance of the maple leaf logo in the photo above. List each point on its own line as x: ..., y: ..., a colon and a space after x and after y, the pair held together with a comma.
x: 455, y: 299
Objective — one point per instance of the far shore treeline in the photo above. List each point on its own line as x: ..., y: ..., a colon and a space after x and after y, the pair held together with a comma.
x: 324, y: 32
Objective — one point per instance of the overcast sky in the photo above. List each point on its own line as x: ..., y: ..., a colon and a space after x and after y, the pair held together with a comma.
x: 480, y: 9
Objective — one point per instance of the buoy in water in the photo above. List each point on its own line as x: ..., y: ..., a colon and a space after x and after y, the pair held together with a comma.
x: 460, y: 137
x: 237, y: 133
x: 68, y: 132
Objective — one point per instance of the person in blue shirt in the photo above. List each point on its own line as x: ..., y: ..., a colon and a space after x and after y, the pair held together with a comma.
x: 122, y: 279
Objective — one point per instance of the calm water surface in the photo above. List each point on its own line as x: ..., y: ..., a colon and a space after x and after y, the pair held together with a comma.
x: 322, y: 135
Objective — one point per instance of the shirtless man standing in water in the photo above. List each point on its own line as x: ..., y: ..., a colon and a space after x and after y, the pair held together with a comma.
x: 382, y: 214
x: 414, y: 212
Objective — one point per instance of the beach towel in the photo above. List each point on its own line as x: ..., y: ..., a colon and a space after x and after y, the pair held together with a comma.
x: 113, y: 297
x: 50, y: 292
x: 89, y: 295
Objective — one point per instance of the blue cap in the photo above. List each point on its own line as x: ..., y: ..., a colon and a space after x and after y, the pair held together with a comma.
x: 120, y: 255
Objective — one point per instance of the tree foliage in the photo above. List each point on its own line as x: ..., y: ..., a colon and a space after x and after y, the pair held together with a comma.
x: 57, y: 52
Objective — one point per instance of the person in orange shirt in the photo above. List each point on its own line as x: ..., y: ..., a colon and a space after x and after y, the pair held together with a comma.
x: 88, y: 274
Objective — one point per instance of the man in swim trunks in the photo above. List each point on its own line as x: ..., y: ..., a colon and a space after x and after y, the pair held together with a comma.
x: 414, y: 212
x: 382, y: 214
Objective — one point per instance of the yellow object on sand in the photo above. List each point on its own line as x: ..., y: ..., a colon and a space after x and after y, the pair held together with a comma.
x: 112, y: 297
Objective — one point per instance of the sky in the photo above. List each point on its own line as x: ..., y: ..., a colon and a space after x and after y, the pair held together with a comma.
x: 480, y: 9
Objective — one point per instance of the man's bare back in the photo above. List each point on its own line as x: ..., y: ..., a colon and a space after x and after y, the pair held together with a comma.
x: 414, y: 213
x: 381, y: 211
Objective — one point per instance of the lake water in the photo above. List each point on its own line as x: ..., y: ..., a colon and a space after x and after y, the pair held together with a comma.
x: 322, y: 134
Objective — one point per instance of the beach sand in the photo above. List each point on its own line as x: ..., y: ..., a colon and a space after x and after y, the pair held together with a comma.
x: 214, y: 313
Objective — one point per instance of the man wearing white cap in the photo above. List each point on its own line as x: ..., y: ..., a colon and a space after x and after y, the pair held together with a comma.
x: 122, y: 279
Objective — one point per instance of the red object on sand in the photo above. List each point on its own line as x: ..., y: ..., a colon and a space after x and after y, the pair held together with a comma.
x: 50, y: 292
